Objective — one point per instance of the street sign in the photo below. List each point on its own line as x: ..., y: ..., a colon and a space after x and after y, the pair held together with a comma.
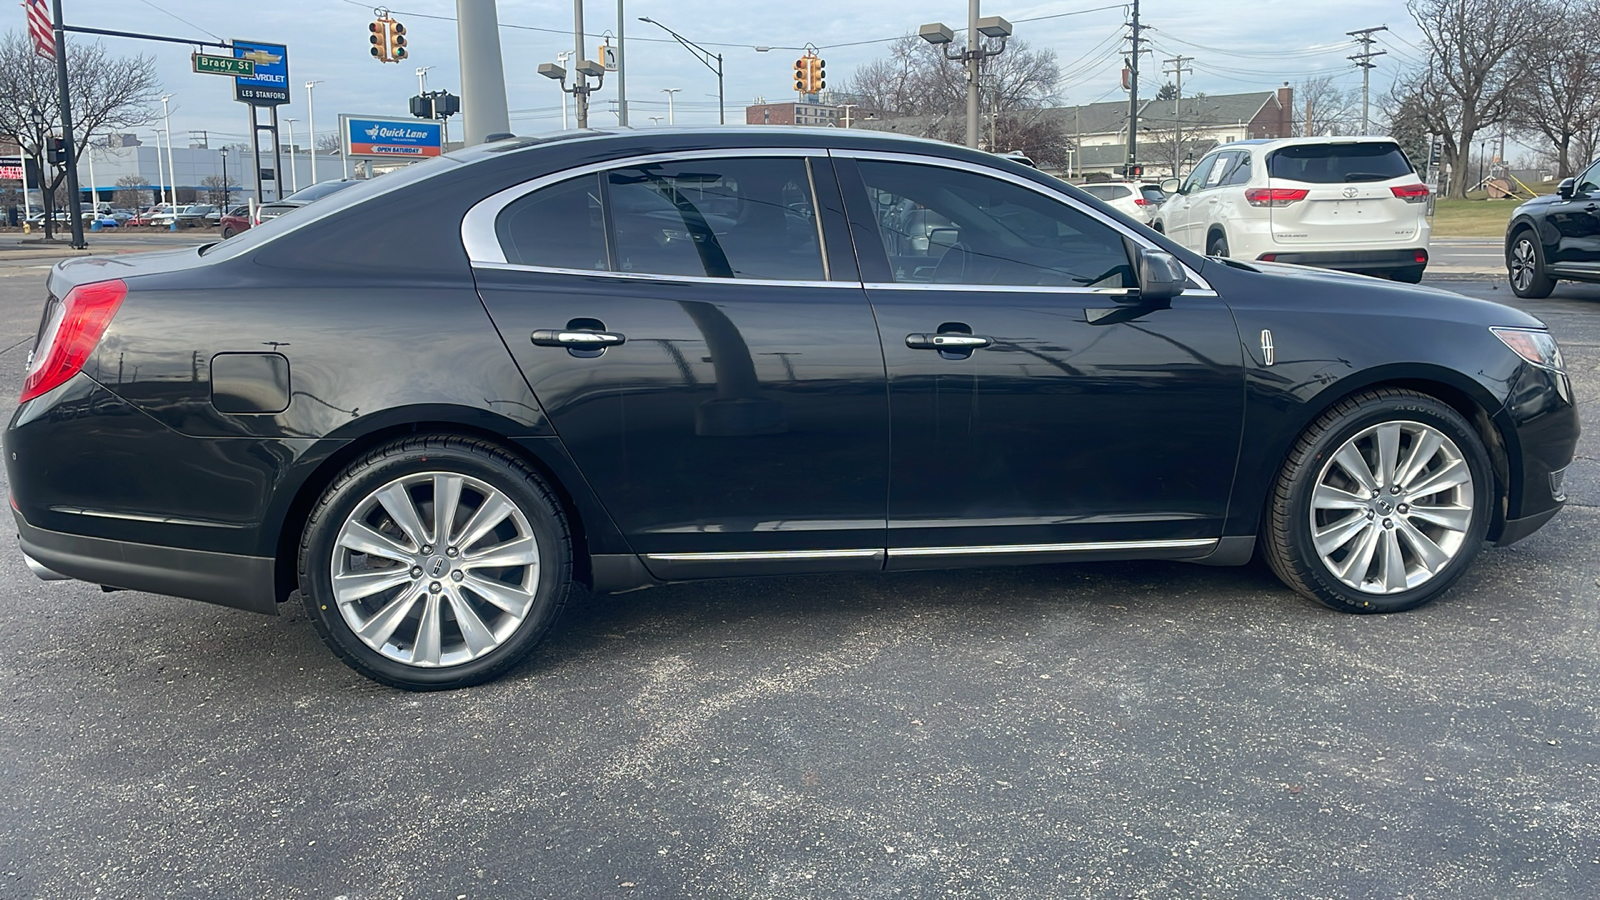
x: 268, y: 84
x: 223, y: 65
x: 608, y: 57
x: 379, y: 138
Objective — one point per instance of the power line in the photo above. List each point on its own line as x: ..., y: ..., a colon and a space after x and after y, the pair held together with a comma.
x: 1364, y: 37
x: 1248, y: 54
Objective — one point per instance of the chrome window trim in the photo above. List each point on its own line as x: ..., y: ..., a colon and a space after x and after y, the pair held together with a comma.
x: 477, y: 226
x: 1015, y: 288
x: 1079, y: 547
x: 651, y: 276
x: 964, y: 166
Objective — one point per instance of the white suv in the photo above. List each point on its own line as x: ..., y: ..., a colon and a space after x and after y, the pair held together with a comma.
x: 1136, y: 201
x: 1351, y: 203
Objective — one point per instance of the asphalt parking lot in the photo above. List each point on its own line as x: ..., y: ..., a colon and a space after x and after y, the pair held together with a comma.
x: 1109, y: 730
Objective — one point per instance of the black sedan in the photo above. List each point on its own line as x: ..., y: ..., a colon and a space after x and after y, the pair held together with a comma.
x: 1556, y: 237
x: 622, y: 359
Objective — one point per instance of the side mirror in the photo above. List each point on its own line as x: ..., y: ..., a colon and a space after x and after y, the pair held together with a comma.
x: 1161, y: 276
x: 1170, y: 185
x: 1566, y: 188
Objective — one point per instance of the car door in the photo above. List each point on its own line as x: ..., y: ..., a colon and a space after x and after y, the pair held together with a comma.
x: 1206, y: 208
x: 708, y: 359
x: 1177, y: 217
x: 1575, y: 222
x: 1037, y: 405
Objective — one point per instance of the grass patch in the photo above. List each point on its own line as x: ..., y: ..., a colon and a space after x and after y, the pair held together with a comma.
x: 1472, y: 218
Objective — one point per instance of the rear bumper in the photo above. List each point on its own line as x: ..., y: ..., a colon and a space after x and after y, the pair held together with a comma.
x: 242, y: 582
x: 1351, y: 260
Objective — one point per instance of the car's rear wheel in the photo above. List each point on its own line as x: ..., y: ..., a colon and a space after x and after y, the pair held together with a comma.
x: 1525, y: 265
x: 228, y: 232
x: 1382, y: 504
x: 435, y: 562
x: 1218, y: 245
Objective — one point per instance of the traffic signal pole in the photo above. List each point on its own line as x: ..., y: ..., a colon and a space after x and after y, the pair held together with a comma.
x: 74, y: 202
x: 973, y: 60
x: 1133, y: 97
x: 483, y: 75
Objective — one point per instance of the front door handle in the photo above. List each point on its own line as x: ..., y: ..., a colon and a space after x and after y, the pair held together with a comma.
x: 947, y: 341
x: 582, y: 340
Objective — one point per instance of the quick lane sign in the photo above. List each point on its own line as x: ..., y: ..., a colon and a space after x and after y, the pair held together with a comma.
x: 223, y: 65
x: 389, y: 138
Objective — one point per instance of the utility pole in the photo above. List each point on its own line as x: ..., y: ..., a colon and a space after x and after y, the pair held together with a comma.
x: 1136, y: 50
x: 580, y: 83
x: 972, y: 56
x: 483, y: 74
x: 1364, y: 37
x: 622, y: 70
x: 1177, y: 70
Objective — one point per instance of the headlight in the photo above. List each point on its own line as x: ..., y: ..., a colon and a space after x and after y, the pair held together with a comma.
x: 1532, y: 344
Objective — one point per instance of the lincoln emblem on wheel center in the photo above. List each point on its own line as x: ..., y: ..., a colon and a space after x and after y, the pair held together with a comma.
x: 620, y: 359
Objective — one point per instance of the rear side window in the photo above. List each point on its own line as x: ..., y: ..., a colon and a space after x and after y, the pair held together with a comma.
x: 1339, y: 163
x: 1240, y: 173
x: 559, y: 226
x: 1152, y: 194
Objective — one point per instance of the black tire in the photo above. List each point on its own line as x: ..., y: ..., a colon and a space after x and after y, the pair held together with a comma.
x: 1287, y: 533
x: 228, y: 232
x: 1409, y: 275
x: 487, y: 464
x: 1218, y: 245
x: 1158, y: 228
x: 1525, y: 267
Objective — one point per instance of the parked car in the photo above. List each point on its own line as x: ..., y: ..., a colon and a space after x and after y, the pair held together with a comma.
x: 235, y: 221
x: 1138, y: 201
x: 161, y: 215
x: 1553, y: 238
x: 1349, y: 203
x: 302, y: 197
x: 630, y: 358
x: 195, y: 216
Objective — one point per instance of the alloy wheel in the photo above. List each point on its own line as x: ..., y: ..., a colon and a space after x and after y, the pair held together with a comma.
x: 435, y: 569
x: 1392, y: 507
x: 1524, y: 264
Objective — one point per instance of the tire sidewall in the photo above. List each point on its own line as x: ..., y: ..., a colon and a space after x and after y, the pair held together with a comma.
x: 1219, y: 243
x: 1415, y: 409
x: 1541, y: 284
x: 316, y: 580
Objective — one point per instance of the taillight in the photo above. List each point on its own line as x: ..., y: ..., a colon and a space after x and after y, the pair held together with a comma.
x: 1274, y: 196
x: 1141, y: 201
x: 71, y: 334
x: 1268, y: 257
x: 1411, y: 193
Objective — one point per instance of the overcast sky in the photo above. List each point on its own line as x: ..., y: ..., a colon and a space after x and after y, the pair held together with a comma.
x: 1238, y: 45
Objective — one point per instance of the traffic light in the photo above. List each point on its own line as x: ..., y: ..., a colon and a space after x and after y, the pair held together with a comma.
x: 380, y: 39
x: 818, y: 80
x: 1135, y: 172
x: 56, y: 151
x: 802, y: 74
x: 397, y: 41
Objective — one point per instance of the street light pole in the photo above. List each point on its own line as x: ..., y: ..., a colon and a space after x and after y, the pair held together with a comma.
x: 172, y: 174
x: 561, y: 60
x: 705, y: 56
x: 294, y: 173
x: 671, y: 96
x: 580, y: 84
x: 622, y: 71
x: 74, y: 203
x: 311, y: 126
x: 972, y: 56
x: 224, y: 180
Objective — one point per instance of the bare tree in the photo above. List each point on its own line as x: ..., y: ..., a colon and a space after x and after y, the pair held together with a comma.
x: 1561, y: 99
x: 130, y: 192
x: 1333, y: 111
x: 108, y: 93
x: 216, y: 188
x: 1470, y: 80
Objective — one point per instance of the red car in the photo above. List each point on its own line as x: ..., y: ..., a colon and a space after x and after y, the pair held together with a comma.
x: 232, y: 224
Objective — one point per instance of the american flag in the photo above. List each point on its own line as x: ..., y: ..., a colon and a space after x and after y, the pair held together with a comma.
x: 40, y: 28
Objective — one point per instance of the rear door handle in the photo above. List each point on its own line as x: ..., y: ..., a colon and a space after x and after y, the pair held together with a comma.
x: 583, y: 340
x: 947, y: 341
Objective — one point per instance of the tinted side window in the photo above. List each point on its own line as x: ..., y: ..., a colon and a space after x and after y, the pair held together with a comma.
x: 559, y: 226
x: 718, y: 218
x: 1219, y: 169
x: 1197, y: 177
x: 1339, y: 163
x: 1589, y: 181
x: 946, y: 226
x: 1240, y: 172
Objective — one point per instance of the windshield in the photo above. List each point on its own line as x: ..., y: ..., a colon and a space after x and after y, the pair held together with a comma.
x: 1339, y: 163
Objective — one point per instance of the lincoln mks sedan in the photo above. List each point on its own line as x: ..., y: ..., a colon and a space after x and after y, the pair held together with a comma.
x: 614, y: 360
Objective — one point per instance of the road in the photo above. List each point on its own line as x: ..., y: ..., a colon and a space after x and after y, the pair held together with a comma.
x: 1111, y: 730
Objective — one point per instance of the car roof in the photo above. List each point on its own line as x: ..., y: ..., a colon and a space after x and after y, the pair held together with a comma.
x: 1275, y: 143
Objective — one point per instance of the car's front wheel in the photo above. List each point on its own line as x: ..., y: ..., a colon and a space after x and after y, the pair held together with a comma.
x: 435, y: 562
x: 1217, y: 245
x: 1382, y: 504
x: 1526, y: 268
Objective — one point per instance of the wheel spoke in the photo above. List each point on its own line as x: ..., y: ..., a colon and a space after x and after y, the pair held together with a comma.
x: 1339, y: 533
x: 353, y: 586
x: 477, y: 635
x: 1455, y: 518
x: 1329, y: 497
x: 446, y: 498
x: 1353, y: 570
x: 358, y: 537
x: 517, y: 552
x: 1431, y: 555
x: 1351, y: 460
x: 1394, y: 565
x: 396, y: 501
x: 513, y: 600
x: 1388, y: 453
x: 485, y: 518
x: 430, y: 642
x: 1422, y: 453
x: 377, y: 629
x: 1448, y: 477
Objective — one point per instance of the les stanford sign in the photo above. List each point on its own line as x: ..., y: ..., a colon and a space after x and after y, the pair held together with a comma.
x: 268, y: 82
x: 379, y: 138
